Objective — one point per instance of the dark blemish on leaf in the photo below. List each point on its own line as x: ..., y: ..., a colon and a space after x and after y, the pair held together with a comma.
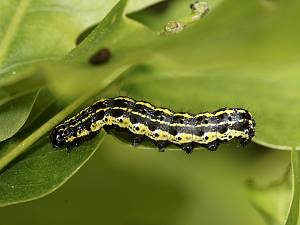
x: 100, y: 57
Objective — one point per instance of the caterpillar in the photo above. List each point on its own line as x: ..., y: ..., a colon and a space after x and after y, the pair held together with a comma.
x: 140, y: 120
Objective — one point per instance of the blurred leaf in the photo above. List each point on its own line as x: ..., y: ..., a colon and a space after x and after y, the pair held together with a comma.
x: 275, y: 202
x: 32, y: 31
x: 247, y: 34
x: 14, y: 111
x: 121, y: 36
x: 42, y: 171
x: 126, y: 41
x: 43, y: 101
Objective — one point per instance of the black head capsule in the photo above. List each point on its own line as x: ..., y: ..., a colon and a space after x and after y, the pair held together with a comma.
x: 247, y: 126
x: 57, y: 138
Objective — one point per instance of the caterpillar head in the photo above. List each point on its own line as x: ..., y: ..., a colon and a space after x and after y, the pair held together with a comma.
x: 57, y: 138
x: 248, y: 126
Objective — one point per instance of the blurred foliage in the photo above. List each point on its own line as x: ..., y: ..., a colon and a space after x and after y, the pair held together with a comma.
x: 272, y: 201
x: 239, y: 55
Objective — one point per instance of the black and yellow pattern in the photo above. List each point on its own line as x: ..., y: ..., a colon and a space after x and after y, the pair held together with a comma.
x: 141, y: 120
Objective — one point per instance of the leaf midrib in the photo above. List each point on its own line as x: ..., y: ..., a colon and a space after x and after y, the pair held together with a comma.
x: 12, y: 28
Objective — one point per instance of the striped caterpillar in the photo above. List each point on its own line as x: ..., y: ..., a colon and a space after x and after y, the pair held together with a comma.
x: 140, y: 120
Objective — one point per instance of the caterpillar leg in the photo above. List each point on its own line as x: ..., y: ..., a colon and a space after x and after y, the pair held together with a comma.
x: 161, y: 145
x: 213, y: 146
x: 72, y: 146
x: 109, y: 129
x: 188, y: 147
x: 137, y: 140
x: 244, y: 142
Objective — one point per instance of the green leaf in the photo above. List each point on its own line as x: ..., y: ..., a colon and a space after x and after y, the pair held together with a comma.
x: 42, y: 171
x: 126, y: 41
x: 32, y: 31
x: 14, y: 111
x: 44, y: 100
x: 21, y: 97
x: 278, y: 203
